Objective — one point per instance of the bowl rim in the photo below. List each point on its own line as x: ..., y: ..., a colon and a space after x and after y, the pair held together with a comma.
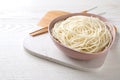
x: 82, y: 14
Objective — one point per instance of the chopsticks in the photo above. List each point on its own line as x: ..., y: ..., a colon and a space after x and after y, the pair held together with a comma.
x: 40, y: 31
x: 45, y: 29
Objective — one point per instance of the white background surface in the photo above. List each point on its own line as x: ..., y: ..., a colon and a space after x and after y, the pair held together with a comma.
x: 19, y: 17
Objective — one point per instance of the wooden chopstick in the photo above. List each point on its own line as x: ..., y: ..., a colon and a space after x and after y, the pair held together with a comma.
x: 45, y: 29
x: 40, y: 31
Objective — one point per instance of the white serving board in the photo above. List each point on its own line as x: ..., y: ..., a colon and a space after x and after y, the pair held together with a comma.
x: 43, y: 47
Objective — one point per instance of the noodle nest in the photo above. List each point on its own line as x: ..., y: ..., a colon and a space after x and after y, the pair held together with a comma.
x: 82, y: 33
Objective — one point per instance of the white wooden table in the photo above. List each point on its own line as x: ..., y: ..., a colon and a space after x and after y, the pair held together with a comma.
x: 19, y: 17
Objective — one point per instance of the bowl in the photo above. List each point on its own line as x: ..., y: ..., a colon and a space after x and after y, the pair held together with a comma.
x: 75, y: 54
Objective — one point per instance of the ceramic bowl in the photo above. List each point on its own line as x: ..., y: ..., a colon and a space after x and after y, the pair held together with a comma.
x: 75, y: 54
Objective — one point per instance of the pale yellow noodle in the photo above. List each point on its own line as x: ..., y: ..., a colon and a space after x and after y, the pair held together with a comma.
x: 82, y: 33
